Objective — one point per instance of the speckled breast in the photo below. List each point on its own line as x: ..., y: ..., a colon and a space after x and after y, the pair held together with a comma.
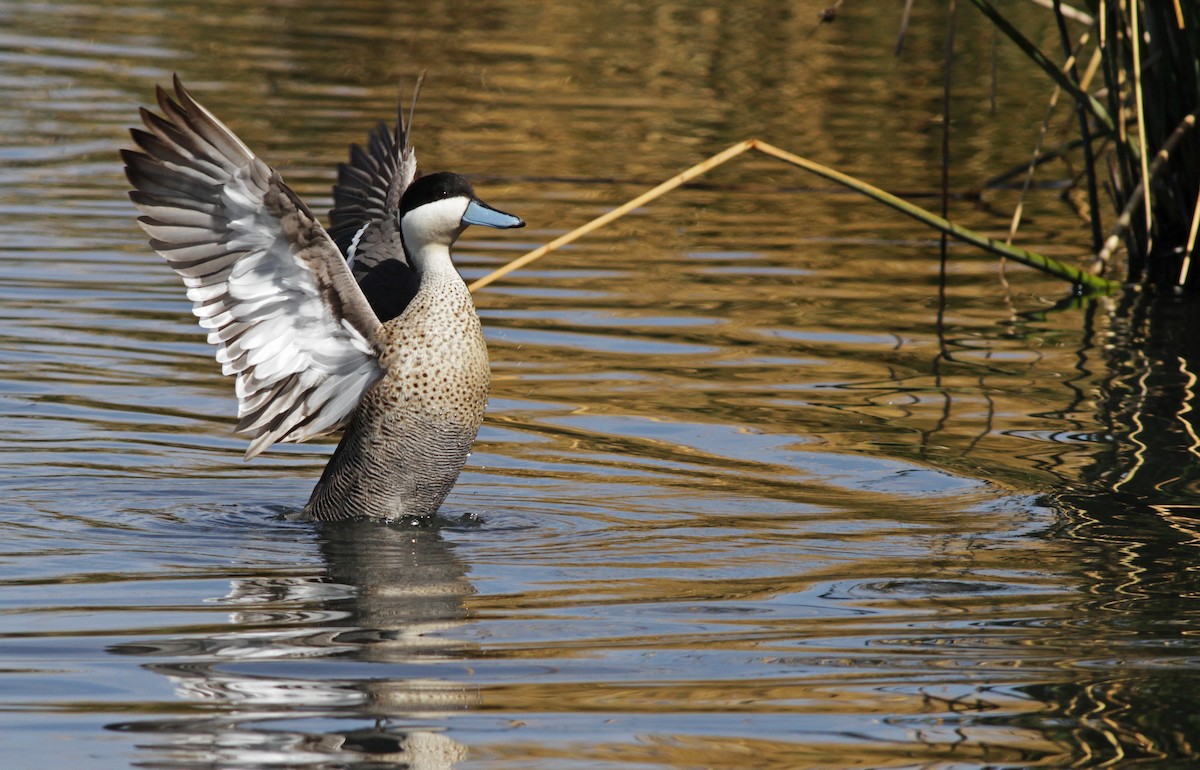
x: 409, y: 439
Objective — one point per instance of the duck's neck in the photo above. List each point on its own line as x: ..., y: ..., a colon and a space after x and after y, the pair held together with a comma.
x: 432, y: 262
x: 427, y: 246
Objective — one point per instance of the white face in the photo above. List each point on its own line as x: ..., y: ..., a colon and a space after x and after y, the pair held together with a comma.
x: 434, y: 224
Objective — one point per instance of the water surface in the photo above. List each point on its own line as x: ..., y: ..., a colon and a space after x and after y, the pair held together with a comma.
x: 759, y: 486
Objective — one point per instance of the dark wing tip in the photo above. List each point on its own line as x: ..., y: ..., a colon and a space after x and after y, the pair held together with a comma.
x: 181, y: 92
x: 186, y: 100
x: 165, y: 102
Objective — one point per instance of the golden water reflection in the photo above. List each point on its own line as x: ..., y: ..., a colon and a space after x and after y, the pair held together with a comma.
x: 757, y: 486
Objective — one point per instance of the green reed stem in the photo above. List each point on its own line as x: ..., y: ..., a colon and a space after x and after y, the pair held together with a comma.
x: 1064, y: 81
x: 1081, y: 278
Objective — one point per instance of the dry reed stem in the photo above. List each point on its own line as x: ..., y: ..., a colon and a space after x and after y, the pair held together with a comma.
x: 616, y: 213
x: 1136, y: 198
x: 1074, y: 14
x: 1015, y: 223
x: 1191, y: 244
x: 1139, y: 101
x: 1093, y: 65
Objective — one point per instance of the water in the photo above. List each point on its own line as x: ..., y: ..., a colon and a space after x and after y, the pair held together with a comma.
x: 757, y: 487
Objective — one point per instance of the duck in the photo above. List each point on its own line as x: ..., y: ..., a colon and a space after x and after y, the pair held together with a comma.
x: 366, y: 327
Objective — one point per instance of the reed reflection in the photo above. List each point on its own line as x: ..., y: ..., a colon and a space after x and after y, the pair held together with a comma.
x: 360, y: 645
x: 1119, y: 459
x: 1135, y: 515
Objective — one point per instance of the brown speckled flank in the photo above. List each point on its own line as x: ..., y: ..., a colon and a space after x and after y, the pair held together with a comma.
x: 371, y: 330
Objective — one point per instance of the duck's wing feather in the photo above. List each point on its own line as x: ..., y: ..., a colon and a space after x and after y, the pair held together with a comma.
x: 264, y: 277
x: 366, y: 198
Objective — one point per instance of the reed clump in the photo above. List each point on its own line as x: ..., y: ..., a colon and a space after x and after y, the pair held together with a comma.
x: 1132, y: 70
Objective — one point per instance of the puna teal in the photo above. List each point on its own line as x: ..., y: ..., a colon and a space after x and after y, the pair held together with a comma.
x: 366, y: 327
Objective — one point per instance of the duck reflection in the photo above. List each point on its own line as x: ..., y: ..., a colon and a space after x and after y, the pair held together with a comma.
x: 366, y: 643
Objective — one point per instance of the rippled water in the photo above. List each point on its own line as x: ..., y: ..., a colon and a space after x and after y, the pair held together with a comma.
x: 757, y: 487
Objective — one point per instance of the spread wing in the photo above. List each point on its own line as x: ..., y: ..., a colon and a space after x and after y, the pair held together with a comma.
x: 263, y: 276
x: 364, y: 222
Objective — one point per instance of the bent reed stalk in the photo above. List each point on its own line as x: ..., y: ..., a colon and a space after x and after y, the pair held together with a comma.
x: 1083, y: 280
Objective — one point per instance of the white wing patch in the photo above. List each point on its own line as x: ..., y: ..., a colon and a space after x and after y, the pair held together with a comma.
x: 264, y: 278
x: 352, y: 252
